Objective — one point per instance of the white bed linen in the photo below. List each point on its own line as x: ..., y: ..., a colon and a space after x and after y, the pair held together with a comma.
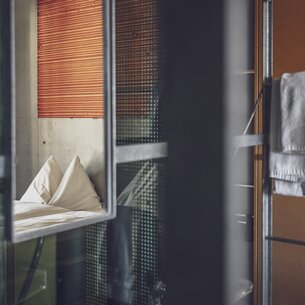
x: 30, y: 216
x: 75, y: 191
x: 29, y: 210
x: 45, y: 183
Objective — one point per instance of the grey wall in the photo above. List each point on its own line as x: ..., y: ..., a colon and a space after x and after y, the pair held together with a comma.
x: 26, y: 93
x: 37, y: 139
x: 65, y: 138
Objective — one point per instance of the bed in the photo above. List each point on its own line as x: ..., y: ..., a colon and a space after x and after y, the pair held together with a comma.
x: 35, y: 219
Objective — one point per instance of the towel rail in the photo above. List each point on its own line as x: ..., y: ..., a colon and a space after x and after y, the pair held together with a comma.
x: 249, y: 140
x: 243, y: 139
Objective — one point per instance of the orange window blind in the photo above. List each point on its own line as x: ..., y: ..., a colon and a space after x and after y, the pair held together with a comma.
x: 70, y: 58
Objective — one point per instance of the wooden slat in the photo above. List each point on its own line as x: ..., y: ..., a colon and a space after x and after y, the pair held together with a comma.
x: 70, y: 58
x: 258, y: 165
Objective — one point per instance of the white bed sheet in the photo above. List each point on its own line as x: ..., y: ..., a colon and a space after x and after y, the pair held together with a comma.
x: 30, y: 217
x: 29, y: 210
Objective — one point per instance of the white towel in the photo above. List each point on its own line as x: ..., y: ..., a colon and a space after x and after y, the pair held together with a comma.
x: 288, y: 188
x: 287, y: 145
x: 289, y: 167
x: 293, y: 112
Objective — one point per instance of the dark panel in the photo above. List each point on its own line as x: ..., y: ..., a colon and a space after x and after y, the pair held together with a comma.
x: 196, y: 185
x: 6, y: 261
x: 5, y: 118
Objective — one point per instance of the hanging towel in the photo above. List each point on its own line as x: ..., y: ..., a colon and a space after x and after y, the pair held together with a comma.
x: 287, y: 145
x: 293, y: 112
x: 288, y: 188
x: 289, y: 167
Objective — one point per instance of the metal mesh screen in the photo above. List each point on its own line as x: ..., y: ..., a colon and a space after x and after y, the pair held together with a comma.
x: 126, y: 256
x: 140, y: 71
x: 148, y: 226
x: 96, y: 263
x: 125, y: 264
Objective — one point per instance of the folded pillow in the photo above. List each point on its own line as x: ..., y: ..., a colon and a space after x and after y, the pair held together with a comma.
x: 75, y: 191
x: 45, y: 183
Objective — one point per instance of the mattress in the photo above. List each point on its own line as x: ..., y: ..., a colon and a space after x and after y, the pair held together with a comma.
x: 36, y: 219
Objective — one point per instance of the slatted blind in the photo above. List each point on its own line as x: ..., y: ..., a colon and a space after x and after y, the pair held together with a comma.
x: 70, y: 58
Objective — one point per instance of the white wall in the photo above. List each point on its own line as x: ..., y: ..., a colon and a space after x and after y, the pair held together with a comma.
x: 37, y: 139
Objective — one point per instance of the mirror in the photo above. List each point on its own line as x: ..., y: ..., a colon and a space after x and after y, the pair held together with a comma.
x: 62, y: 147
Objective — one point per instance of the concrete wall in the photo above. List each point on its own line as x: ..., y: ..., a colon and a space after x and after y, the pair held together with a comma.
x: 26, y: 93
x: 65, y: 138
x: 37, y: 139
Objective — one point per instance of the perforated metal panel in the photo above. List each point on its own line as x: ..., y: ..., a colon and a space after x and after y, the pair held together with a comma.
x: 127, y: 268
x: 140, y: 71
x: 148, y: 225
x: 141, y: 52
x: 128, y: 263
x: 96, y: 262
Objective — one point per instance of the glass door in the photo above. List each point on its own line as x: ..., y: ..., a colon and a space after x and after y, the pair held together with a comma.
x: 242, y: 109
x: 119, y: 261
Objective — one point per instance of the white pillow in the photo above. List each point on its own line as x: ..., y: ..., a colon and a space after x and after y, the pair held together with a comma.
x: 75, y: 191
x: 44, y: 184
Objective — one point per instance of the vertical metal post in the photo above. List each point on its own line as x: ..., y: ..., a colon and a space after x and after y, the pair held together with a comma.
x: 110, y: 106
x: 267, y: 191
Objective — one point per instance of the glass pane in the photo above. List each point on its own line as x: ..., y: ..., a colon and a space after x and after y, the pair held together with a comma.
x: 59, y: 123
x: 35, y: 271
x: 118, y: 262
x: 240, y: 97
x: 63, y: 269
